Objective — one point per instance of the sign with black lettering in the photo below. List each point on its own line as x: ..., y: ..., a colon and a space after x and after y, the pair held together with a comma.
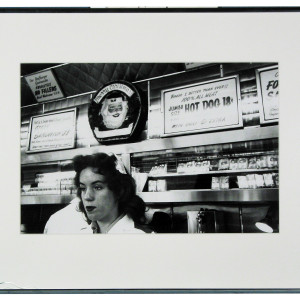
x: 115, y: 111
x: 201, y: 107
x: 44, y: 86
x: 52, y: 131
x: 268, y: 94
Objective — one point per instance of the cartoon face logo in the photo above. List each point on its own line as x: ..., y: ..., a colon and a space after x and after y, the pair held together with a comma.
x: 114, y: 112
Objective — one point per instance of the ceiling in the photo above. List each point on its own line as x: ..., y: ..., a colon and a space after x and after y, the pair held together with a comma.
x: 78, y: 78
x: 27, y: 69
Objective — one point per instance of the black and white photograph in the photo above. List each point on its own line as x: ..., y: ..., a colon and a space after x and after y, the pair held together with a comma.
x: 147, y: 151
x: 149, y: 148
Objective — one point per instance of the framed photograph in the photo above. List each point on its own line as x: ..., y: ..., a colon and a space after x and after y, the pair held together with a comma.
x: 208, y: 184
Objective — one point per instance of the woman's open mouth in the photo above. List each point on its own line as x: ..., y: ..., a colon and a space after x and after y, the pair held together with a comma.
x: 90, y: 208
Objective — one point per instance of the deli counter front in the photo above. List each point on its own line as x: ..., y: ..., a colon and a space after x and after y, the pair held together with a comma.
x: 200, y: 140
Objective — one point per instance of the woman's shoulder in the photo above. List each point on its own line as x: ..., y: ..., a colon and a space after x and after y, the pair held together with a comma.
x: 67, y: 220
x: 144, y: 228
x: 127, y: 225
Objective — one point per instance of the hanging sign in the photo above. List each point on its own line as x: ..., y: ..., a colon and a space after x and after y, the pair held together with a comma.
x: 115, y: 111
x: 52, y: 131
x: 44, y: 86
x: 201, y: 107
x: 268, y: 94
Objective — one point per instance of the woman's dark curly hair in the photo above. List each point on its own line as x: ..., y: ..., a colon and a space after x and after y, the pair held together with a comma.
x: 122, y: 185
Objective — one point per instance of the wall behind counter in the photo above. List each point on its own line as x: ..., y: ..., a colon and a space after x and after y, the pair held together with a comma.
x: 84, y: 136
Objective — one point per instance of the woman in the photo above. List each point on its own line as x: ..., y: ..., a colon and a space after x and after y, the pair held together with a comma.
x: 107, y: 197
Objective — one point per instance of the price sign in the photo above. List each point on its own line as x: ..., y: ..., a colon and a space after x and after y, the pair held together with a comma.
x: 201, y: 107
x: 52, y: 131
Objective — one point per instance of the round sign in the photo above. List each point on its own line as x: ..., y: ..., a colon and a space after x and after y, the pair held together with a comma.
x: 115, y: 112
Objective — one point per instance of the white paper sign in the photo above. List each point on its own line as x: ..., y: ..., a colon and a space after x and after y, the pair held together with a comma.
x: 52, y: 131
x: 204, y: 106
x: 44, y: 86
x: 268, y: 91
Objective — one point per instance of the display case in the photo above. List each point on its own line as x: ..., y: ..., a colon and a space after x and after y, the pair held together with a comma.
x: 241, y: 165
x: 181, y: 190
x: 189, y: 167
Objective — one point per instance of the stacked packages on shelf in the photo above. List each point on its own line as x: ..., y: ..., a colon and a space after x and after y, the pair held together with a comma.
x: 159, y: 185
x: 220, y: 183
x: 262, y: 169
x: 57, y: 183
x: 251, y: 181
x: 252, y: 162
x: 161, y: 169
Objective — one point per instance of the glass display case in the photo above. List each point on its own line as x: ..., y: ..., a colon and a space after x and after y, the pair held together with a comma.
x: 238, y: 176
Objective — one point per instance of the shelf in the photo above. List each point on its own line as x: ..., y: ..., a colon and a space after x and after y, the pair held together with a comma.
x: 51, y: 163
x: 46, y: 199
x: 213, y: 173
x: 234, y: 195
x: 203, y: 139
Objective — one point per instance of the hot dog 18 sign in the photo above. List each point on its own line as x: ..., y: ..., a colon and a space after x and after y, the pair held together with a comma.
x: 206, y: 106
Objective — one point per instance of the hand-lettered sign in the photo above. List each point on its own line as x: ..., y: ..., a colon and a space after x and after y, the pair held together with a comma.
x: 268, y: 94
x: 201, y: 107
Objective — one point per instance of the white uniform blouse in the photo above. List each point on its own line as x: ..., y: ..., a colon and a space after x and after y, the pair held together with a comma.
x: 70, y: 220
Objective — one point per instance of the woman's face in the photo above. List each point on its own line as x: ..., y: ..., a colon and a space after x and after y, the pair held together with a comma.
x: 98, y: 200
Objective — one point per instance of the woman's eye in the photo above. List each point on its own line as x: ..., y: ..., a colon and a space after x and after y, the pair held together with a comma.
x: 98, y: 188
x: 82, y: 189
